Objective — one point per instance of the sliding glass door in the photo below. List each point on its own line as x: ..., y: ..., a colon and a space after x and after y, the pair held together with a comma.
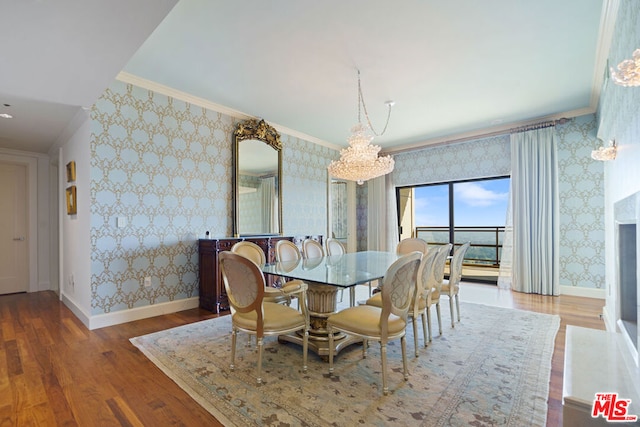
x: 459, y: 212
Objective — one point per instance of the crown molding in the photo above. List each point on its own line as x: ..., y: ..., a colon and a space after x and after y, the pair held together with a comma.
x: 605, y: 37
x: 485, y: 132
x: 201, y: 102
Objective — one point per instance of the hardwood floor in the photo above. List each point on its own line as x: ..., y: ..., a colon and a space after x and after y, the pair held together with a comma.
x: 53, y: 371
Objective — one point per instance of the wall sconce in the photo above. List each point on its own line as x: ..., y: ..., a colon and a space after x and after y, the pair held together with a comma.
x: 628, y: 73
x: 605, y: 153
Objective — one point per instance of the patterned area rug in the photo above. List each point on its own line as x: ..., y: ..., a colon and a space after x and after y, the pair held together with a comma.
x: 492, y: 369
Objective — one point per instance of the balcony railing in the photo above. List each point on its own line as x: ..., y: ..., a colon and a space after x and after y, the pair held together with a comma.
x: 486, y: 242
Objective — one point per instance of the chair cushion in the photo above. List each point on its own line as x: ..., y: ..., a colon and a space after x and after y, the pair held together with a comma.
x: 275, y: 295
x: 448, y: 291
x: 375, y: 300
x: 292, y: 286
x: 365, y: 320
x: 277, y: 317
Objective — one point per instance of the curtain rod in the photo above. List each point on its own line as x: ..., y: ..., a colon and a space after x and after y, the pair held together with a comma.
x: 540, y: 125
x: 473, y: 137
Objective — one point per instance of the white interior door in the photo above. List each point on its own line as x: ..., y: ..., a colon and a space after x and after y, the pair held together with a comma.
x: 14, y: 271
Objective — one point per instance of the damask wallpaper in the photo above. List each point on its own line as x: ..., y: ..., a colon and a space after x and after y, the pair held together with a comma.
x: 163, y: 166
x: 581, y: 190
x: 304, y: 184
x: 466, y: 160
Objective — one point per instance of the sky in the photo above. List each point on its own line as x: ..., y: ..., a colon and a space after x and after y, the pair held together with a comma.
x: 477, y: 203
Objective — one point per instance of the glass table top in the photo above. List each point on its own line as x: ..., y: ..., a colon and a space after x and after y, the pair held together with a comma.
x: 339, y: 270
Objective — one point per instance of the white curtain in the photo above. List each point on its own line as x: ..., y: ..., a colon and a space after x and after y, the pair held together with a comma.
x: 534, y: 184
x: 269, y: 213
x: 382, y: 218
x: 392, y: 229
x: 506, y: 258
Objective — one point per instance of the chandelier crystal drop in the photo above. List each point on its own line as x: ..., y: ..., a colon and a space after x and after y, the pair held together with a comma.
x: 628, y: 73
x: 360, y: 161
x: 605, y: 153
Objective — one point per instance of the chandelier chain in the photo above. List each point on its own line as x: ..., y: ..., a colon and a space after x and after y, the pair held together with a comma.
x: 360, y: 162
x: 366, y: 113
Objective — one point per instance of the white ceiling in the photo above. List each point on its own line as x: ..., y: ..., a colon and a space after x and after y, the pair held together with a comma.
x: 453, y: 68
x: 59, y: 56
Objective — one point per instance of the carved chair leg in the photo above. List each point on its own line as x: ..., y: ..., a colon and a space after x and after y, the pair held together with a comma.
x: 234, y: 334
x: 260, y: 347
x: 383, y: 355
x: 415, y: 333
x: 330, y: 331
x: 403, y: 344
x: 453, y: 324
x: 429, y: 324
x: 424, y: 329
x: 305, y: 347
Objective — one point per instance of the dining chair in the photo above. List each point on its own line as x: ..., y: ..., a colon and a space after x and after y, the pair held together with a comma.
x: 336, y: 247
x: 418, y: 305
x: 384, y: 323
x: 409, y: 245
x: 312, y: 249
x: 436, y: 286
x: 244, y: 283
x: 451, y: 288
x: 288, y: 251
x: 255, y: 253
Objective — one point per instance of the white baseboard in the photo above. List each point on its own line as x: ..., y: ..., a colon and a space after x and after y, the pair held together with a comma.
x: 123, y: 316
x: 583, y: 292
x: 79, y: 313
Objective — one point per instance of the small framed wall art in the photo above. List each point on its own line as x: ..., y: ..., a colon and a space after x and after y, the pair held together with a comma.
x: 71, y: 171
x: 72, y: 206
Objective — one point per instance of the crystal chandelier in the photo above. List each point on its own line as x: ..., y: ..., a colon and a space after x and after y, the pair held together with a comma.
x: 605, y: 153
x: 628, y: 73
x: 360, y: 161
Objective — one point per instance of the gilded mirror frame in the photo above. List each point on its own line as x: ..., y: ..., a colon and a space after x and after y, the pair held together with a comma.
x: 254, y: 129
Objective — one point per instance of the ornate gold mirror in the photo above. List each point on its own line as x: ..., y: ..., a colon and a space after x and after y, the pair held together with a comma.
x: 257, y: 179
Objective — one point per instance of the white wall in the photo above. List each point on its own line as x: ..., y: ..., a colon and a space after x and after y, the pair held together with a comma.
x: 75, y: 244
x: 619, y: 120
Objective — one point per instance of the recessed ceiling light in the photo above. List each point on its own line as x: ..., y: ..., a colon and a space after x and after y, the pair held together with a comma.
x: 6, y: 116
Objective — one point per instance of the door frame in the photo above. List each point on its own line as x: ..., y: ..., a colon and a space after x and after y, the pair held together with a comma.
x: 31, y: 164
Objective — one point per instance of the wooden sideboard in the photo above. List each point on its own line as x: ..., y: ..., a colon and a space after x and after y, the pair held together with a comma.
x: 212, y: 294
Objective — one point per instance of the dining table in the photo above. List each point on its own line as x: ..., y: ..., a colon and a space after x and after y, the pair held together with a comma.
x: 326, y: 276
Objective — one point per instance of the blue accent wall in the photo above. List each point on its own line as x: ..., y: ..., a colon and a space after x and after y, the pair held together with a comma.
x: 164, y: 166
x: 581, y: 187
